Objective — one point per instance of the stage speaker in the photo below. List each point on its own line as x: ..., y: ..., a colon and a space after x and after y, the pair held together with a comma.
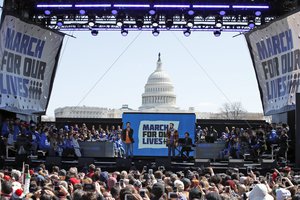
x: 85, y: 162
x: 53, y: 161
x: 268, y: 164
x: 236, y: 163
x: 123, y: 163
x: 163, y: 161
x: 202, y: 162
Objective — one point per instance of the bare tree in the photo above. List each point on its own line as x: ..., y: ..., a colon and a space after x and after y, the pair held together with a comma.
x: 232, y: 110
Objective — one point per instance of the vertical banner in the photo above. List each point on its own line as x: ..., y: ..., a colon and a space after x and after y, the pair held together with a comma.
x: 28, y: 61
x: 149, y: 130
x: 275, y: 51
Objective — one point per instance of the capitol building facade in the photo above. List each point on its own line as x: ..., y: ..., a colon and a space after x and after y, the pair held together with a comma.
x: 159, y: 91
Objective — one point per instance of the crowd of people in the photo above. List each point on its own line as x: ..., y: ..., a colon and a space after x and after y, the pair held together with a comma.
x: 251, y: 141
x: 92, y: 183
x: 28, y: 138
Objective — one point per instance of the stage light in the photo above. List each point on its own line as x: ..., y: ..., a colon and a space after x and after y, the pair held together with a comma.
x: 211, y: 6
x: 91, y: 21
x: 124, y: 32
x: 59, y: 22
x: 114, y: 12
x: 258, y: 13
x: 155, y: 22
x: 54, y: 6
x: 171, y: 6
x: 222, y: 12
x: 94, y: 32
x: 47, y: 12
x: 169, y: 23
x: 218, y: 22
x: 187, y: 32
x: 132, y: 5
x: 139, y: 22
x: 152, y: 12
x: 250, y: 7
x: 191, y: 12
x: 190, y: 23
x: 155, y: 32
x: 251, y: 22
x: 82, y: 12
x: 217, y: 33
x: 92, y: 5
x: 119, y: 22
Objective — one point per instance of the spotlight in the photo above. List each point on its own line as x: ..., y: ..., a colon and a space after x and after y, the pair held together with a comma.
x: 47, y: 12
x: 219, y: 22
x: 82, y: 12
x: 119, y: 22
x: 155, y: 22
x: 190, y: 23
x: 187, y: 32
x: 152, y: 12
x: 217, y: 33
x: 251, y: 23
x: 155, y: 32
x: 169, y: 23
x: 114, y: 12
x: 59, y: 22
x: 191, y: 12
x: 124, y: 32
x: 258, y: 13
x: 139, y: 22
x: 91, y: 21
x: 222, y: 12
x: 94, y: 32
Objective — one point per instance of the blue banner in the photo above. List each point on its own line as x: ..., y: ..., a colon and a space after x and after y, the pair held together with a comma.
x: 149, y: 130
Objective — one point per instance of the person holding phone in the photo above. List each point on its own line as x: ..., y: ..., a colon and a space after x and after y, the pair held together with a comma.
x: 172, y: 139
x: 127, y: 137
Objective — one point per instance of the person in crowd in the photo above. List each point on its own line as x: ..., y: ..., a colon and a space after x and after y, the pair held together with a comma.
x: 118, y: 146
x: 35, y: 138
x: 283, y: 144
x: 187, y: 145
x: 127, y: 138
x: 75, y: 144
x: 172, y: 139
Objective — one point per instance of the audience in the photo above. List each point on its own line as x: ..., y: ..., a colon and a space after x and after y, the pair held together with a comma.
x: 200, y: 184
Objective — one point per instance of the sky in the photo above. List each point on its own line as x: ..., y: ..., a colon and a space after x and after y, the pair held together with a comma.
x: 223, y: 70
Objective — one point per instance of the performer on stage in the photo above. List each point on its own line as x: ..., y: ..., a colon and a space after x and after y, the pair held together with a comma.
x: 172, y: 139
x: 127, y: 138
x: 187, y: 145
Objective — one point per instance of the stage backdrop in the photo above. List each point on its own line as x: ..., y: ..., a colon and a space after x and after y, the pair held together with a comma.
x: 28, y: 60
x: 275, y: 51
x: 150, y: 130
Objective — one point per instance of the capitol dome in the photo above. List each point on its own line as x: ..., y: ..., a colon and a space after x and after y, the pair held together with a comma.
x: 159, y: 91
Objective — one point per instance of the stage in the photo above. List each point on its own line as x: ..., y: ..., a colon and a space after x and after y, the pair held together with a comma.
x: 174, y: 164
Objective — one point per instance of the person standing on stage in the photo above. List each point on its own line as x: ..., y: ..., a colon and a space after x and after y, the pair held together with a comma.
x: 127, y: 137
x: 172, y: 139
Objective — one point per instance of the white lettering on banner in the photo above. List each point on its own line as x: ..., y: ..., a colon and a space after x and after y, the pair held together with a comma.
x: 28, y: 59
x: 152, y: 134
x: 275, y: 51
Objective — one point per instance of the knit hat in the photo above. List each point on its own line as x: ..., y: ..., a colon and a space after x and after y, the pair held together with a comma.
x: 260, y: 192
x: 282, y: 194
x: 111, y: 182
x: 104, y: 176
